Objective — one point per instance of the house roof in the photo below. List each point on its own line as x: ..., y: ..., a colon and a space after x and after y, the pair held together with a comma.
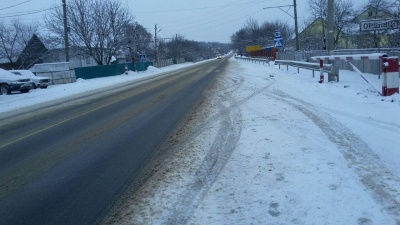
x: 376, y: 14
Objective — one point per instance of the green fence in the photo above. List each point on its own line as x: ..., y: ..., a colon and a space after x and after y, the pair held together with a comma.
x: 108, y: 70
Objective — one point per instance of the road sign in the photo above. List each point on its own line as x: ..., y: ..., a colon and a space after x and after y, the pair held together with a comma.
x: 278, y: 42
x: 379, y: 24
x: 277, y: 34
x: 143, y: 57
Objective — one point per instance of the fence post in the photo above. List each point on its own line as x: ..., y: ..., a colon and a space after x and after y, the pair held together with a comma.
x: 321, y: 70
x: 390, y: 71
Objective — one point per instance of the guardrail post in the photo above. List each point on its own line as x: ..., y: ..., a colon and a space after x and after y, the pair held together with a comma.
x: 321, y: 70
x: 390, y: 71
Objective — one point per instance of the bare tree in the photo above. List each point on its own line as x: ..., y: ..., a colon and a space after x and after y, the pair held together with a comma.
x: 14, y: 37
x: 343, y: 16
x: 137, y: 39
x: 378, y: 9
x: 96, y: 26
x: 254, y: 34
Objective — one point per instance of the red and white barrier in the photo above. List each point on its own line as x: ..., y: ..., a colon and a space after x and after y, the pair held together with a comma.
x: 350, y: 57
x: 321, y: 69
x: 346, y: 58
x: 390, y: 71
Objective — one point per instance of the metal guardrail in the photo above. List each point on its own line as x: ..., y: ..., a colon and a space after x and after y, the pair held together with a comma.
x: 327, y: 68
x: 298, y: 64
x: 259, y: 60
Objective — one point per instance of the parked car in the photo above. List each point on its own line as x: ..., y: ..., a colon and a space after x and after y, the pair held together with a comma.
x: 9, y: 83
x: 37, y: 82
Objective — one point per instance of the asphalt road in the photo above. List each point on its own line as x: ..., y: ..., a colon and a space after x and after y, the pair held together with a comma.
x: 70, y: 161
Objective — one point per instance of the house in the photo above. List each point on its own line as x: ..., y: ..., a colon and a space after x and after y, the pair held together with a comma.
x: 30, y: 55
x: 374, y: 39
x: 313, y: 37
x: 76, y: 57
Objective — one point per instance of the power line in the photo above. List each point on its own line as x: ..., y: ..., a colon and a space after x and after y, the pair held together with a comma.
x: 201, y: 8
x: 16, y: 5
x: 213, y: 15
x: 24, y: 13
x: 223, y: 17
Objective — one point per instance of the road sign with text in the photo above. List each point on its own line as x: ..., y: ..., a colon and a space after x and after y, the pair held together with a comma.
x: 379, y: 24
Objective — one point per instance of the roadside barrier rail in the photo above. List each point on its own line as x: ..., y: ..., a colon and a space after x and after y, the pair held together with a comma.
x: 327, y: 68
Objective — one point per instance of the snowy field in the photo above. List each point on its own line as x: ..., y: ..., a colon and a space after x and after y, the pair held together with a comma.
x: 269, y: 146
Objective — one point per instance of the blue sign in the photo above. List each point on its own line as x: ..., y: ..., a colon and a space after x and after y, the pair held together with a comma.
x: 278, y: 42
x: 277, y: 34
x: 142, y: 57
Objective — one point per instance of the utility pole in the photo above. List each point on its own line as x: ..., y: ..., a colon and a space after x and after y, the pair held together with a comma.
x: 334, y: 74
x: 296, y: 27
x: 330, y: 40
x: 65, y: 31
x: 155, y: 43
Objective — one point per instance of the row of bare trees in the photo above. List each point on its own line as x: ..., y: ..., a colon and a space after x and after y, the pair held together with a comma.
x: 101, y: 29
x: 347, y: 32
x: 255, y: 34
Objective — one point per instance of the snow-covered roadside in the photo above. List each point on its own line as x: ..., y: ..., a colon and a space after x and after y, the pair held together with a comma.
x: 267, y: 146
x: 55, y: 92
x: 274, y: 147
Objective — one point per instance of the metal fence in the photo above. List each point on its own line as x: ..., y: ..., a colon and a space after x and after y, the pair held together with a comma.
x: 167, y: 62
x: 101, y: 71
x: 365, y: 66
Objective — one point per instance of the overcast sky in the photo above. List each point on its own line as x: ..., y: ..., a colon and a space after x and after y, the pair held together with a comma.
x: 199, y: 20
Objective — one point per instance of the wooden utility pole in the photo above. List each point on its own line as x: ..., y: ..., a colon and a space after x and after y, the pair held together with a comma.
x: 334, y: 75
x: 296, y: 27
x: 331, y: 39
x: 155, y: 43
x: 65, y: 31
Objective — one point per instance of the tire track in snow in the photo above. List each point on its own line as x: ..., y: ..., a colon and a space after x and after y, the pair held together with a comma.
x: 377, y: 179
x: 224, y: 144
x: 216, y: 158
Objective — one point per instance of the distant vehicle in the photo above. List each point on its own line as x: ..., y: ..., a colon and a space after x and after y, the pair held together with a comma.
x: 37, y: 82
x: 9, y: 83
x: 219, y: 57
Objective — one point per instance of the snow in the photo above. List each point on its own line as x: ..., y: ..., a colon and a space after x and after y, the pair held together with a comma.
x: 286, y: 150
x: 56, y: 92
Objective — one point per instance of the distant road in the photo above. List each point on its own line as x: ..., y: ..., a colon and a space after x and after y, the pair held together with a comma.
x: 68, y: 163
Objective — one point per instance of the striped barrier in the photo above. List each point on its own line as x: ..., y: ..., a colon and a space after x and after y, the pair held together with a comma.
x: 346, y: 58
x: 390, y: 71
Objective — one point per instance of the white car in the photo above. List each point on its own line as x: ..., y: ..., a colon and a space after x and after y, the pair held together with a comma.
x: 37, y: 82
x: 9, y: 82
